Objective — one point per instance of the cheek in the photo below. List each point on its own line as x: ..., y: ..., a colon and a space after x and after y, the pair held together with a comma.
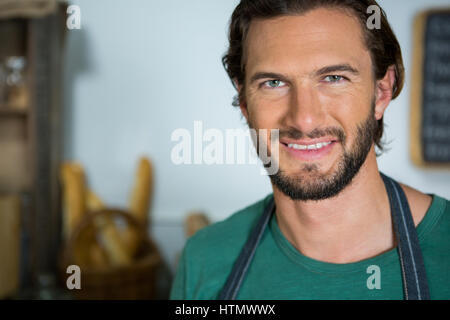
x: 265, y: 113
x: 347, y: 112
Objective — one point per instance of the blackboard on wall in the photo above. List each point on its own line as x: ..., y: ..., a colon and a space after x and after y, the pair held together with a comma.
x: 430, y: 89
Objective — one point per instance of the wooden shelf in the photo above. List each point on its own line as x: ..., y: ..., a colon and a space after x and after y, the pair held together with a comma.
x: 30, y: 138
x: 8, y: 111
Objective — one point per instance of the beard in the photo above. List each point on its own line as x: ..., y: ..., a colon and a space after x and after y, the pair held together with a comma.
x: 310, y: 184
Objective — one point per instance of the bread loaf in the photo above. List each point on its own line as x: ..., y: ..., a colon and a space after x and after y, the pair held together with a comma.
x: 194, y: 222
x: 142, y: 191
x: 9, y: 245
x: 140, y: 201
x: 74, y: 193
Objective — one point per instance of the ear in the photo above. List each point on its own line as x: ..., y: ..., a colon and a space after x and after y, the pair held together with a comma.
x: 242, y: 105
x: 383, y: 92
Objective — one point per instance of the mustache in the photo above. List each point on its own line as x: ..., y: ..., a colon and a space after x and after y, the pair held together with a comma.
x: 296, y: 134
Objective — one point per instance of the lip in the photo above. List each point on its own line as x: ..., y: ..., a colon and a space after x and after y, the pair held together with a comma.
x: 311, y: 155
x: 308, y: 142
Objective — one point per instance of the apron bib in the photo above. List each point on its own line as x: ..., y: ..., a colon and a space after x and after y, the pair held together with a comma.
x: 415, y: 286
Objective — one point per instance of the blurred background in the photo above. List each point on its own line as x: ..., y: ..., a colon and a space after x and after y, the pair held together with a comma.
x: 90, y: 94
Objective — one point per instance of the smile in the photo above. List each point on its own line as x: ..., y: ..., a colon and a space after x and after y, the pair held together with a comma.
x: 309, y: 151
x: 315, y: 146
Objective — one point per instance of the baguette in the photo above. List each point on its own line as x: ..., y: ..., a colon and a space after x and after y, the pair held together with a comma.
x: 143, y: 189
x: 9, y: 245
x: 112, y: 249
x: 99, y: 257
x: 194, y: 222
x: 140, y: 201
x: 74, y: 201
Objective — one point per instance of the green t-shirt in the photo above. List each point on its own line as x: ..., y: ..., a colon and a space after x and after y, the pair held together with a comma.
x: 279, y: 271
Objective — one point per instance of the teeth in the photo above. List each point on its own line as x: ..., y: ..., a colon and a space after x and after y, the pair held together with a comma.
x: 308, y: 147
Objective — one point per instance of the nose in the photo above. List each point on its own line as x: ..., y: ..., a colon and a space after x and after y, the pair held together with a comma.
x: 305, y: 111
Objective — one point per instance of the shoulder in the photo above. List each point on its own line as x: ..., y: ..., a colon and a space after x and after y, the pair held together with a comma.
x: 209, y: 254
x: 419, y: 202
x: 229, y: 234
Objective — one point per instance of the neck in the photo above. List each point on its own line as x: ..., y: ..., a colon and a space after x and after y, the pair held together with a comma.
x: 352, y: 226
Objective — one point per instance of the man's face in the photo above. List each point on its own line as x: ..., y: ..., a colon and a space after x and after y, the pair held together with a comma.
x: 310, y: 76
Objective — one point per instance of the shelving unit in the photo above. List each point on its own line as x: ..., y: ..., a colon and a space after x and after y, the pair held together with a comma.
x: 30, y: 141
x: 6, y: 111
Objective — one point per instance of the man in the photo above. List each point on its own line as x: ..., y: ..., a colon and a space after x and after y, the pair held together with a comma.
x: 334, y: 227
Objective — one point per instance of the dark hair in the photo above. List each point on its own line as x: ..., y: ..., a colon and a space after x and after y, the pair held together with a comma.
x: 382, y: 43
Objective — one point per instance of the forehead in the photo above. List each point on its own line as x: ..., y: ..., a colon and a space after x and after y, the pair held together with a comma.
x: 312, y: 40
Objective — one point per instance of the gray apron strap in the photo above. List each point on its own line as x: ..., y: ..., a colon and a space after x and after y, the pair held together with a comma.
x: 415, y: 285
x: 234, y: 281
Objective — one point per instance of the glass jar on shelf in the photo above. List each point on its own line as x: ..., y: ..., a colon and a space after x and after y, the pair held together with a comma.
x: 17, y: 95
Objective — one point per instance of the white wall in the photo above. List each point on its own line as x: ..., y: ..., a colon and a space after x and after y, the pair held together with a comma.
x: 139, y: 69
x: 397, y: 161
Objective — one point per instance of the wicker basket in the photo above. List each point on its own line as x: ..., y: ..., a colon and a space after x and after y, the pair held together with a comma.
x: 134, y: 281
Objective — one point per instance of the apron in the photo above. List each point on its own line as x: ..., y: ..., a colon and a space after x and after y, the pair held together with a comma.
x: 415, y: 286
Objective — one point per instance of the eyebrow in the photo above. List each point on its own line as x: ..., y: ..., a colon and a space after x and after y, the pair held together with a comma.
x: 322, y: 71
x: 267, y: 75
x: 336, y: 68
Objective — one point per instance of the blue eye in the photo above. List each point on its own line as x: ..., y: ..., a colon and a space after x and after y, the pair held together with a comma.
x: 334, y: 78
x: 273, y: 83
